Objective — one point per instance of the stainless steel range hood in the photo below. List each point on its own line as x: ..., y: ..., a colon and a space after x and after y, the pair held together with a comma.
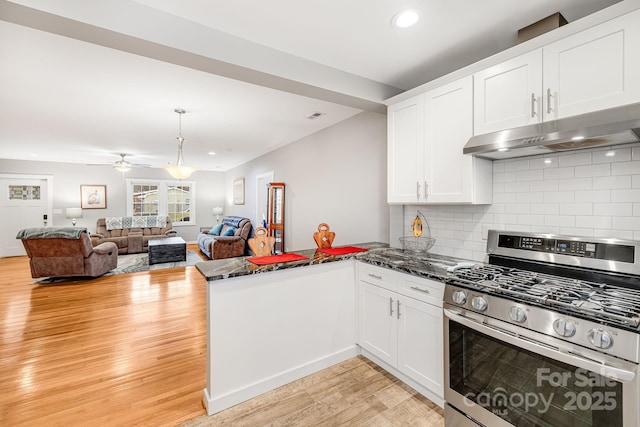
x: 613, y: 126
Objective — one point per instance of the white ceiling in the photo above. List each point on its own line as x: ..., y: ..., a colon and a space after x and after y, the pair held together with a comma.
x: 84, y: 80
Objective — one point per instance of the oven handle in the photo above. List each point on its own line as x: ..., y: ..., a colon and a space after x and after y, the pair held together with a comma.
x: 572, y: 359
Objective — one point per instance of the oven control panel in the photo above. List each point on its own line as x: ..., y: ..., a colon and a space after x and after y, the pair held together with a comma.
x: 563, y: 246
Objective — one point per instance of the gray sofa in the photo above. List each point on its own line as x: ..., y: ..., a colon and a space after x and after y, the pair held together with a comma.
x: 219, y: 246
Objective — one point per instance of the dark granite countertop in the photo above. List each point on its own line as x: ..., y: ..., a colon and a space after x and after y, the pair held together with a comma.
x: 418, y: 264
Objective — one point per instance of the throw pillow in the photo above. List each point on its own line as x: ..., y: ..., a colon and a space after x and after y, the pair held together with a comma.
x: 216, y: 230
x: 229, y: 231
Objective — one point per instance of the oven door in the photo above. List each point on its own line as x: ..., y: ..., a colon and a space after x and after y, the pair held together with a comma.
x: 498, y: 374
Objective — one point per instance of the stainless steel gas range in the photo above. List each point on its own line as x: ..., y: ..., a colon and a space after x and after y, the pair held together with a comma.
x: 547, y: 334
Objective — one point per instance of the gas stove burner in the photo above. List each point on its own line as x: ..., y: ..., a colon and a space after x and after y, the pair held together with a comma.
x: 589, y: 305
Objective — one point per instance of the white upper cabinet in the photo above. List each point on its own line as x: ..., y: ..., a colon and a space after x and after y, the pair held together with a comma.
x: 405, y: 151
x: 594, y: 69
x: 507, y: 95
x: 450, y: 175
x: 588, y: 71
x: 426, y: 135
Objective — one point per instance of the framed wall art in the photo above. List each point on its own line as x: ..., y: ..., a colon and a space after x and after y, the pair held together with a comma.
x: 93, y: 196
x: 238, y: 191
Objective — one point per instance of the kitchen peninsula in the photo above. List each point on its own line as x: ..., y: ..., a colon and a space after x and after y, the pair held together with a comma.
x: 273, y: 324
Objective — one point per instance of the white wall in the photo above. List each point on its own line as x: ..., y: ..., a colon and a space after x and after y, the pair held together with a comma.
x: 581, y: 193
x: 336, y: 176
x: 67, y: 178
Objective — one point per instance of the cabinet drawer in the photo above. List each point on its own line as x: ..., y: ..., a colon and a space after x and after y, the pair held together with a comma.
x: 429, y: 291
x: 375, y: 275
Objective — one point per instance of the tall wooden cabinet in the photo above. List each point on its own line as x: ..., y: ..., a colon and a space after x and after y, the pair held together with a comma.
x: 275, y: 220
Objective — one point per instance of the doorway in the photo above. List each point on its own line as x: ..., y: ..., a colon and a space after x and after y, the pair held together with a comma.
x: 26, y: 202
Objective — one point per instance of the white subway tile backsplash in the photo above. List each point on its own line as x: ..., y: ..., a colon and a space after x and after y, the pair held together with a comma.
x: 560, y: 220
x: 575, y: 184
x: 530, y: 175
x: 576, y: 209
x: 516, y: 165
x: 572, y: 231
x: 582, y: 158
x: 613, y: 209
x: 559, y: 173
x: 530, y: 198
x: 603, y: 169
x: 621, y: 196
x: 550, y: 185
x: 504, y: 177
x: 584, y: 193
x: 626, y: 223
x: 604, y: 222
x: 516, y: 187
x: 616, y: 234
x: 545, y: 208
x: 559, y: 197
x: 517, y: 208
x: 612, y: 155
x: 611, y: 182
x: 531, y: 219
x: 626, y: 168
x: 597, y: 196
x: 543, y: 162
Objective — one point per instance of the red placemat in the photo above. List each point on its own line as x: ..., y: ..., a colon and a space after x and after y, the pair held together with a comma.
x: 343, y: 250
x: 275, y: 259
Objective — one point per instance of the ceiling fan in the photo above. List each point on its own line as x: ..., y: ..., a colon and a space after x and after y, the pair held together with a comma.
x: 123, y: 165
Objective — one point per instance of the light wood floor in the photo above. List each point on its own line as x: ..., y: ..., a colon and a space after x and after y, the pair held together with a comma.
x: 129, y: 350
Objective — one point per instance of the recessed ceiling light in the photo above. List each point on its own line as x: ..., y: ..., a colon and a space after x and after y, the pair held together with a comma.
x: 503, y: 149
x: 577, y: 138
x: 405, y: 18
x: 211, y: 153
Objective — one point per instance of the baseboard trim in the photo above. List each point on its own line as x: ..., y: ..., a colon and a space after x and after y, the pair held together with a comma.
x: 218, y: 403
x: 438, y: 400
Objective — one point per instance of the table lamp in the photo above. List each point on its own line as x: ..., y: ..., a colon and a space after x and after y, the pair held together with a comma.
x: 73, y: 214
x: 217, y: 211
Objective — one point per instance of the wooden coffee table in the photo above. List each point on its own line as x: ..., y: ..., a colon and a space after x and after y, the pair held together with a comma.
x: 168, y: 249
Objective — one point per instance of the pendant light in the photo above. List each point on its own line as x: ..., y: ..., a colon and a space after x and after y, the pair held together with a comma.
x: 180, y: 170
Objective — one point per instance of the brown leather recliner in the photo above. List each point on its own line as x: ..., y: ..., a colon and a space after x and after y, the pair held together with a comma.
x: 66, y: 251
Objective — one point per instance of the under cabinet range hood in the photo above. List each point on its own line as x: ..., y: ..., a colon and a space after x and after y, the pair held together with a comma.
x: 619, y: 125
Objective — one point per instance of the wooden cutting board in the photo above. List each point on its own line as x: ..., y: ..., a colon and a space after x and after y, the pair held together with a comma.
x: 324, y: 236
x: 262, y: 244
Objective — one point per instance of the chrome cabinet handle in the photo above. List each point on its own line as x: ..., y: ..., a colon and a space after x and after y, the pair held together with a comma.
x: 549, y: 101
x: 426, y: 191
x: 398, y: 309
x: 415, y: 288
x: 533, y: 105
x: 375, y: 276
x: 390, y: 306
x: 417, y: 190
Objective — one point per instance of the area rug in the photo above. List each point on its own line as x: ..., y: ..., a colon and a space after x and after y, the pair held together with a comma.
x: 132, y: 263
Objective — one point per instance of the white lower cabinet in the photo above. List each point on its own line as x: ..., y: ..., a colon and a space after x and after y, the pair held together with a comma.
x: 400, y: 323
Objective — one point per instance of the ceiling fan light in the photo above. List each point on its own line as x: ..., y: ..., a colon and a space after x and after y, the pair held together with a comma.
x: 122, y: 168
